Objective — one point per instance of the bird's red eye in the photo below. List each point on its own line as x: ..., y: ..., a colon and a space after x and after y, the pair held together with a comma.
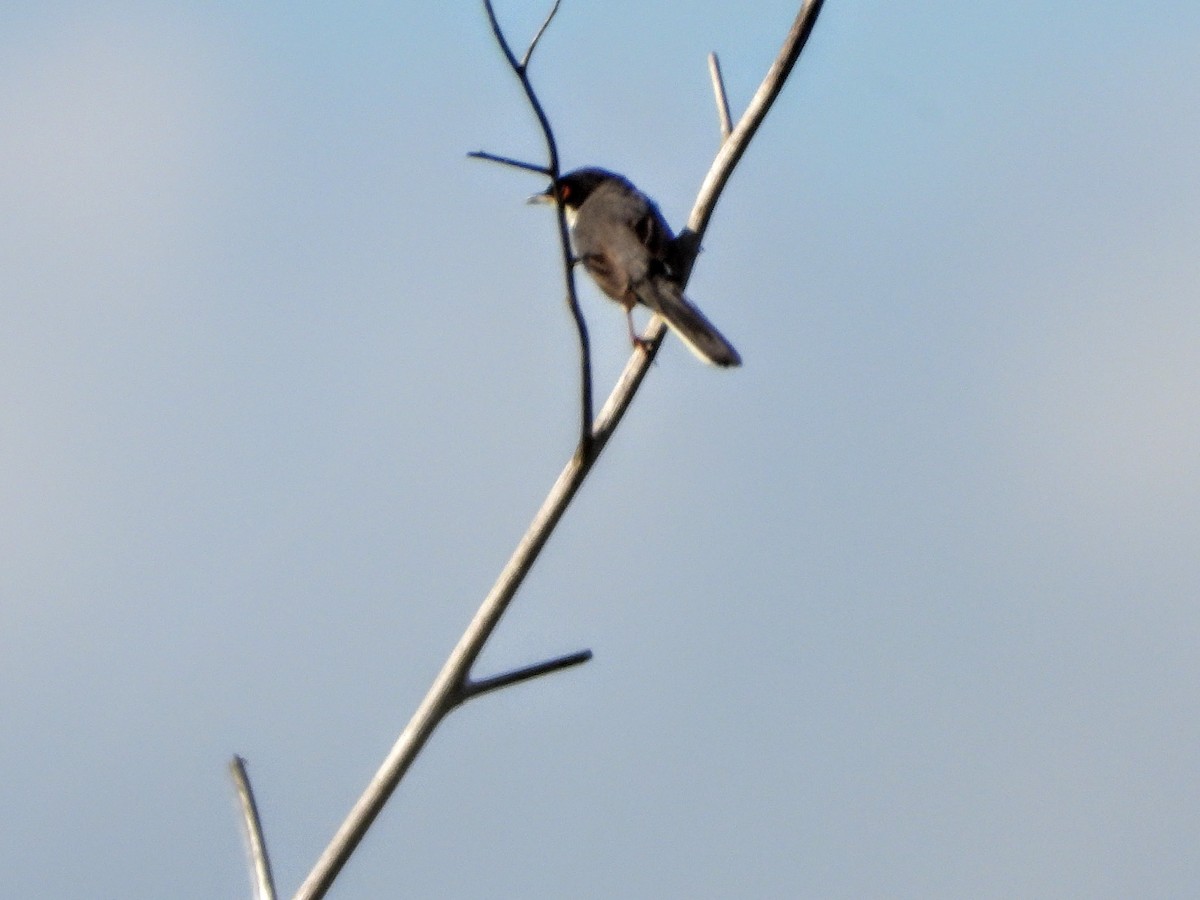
x: 564, y: 192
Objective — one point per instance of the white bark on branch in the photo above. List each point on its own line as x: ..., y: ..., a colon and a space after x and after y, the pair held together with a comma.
x: 722, y: 99
x: 256, y: 845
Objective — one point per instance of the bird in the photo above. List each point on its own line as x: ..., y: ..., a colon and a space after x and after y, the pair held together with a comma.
x: 629, y: 250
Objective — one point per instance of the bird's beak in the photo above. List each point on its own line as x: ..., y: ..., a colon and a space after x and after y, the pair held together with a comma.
x: 546, y: 196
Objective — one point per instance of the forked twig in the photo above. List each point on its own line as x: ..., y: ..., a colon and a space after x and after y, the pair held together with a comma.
x: 453, y: 685
x: 520, y: 70
x: 473, y: 688
x: 688, y: 242
x: 732, y: 149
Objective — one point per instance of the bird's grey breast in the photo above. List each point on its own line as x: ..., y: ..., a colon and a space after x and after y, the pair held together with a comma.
x: 608, y: 225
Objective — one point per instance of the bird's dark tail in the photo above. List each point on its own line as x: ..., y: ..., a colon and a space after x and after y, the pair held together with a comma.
x: 700, y: 335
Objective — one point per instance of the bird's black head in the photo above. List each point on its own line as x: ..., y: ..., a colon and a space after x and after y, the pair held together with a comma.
x: 574, y: 187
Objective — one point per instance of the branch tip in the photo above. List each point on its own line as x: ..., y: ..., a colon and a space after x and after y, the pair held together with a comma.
x: 722, y: 99
x: 537, y: 37
x: 256, y: 845
x: 509, y: 161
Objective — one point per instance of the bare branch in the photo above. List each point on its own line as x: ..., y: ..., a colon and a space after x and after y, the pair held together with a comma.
x: 537, y: 37
x: 509, y: 161
x: 452, y: 682
x: 723, y: 119
x: 473, y: 689
x: 444, y: 694
x: 260, y: 864
x: 564, y: 237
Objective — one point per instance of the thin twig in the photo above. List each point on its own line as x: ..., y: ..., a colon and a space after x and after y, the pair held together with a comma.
x: 714, y: 70
x: 472, y: 689
x: 537, y: 37
x: 447, y: 687
x: 260, y: 864
x: 509, y: 161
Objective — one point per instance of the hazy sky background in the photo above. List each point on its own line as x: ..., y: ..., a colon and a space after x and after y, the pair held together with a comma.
x: 907, y: 607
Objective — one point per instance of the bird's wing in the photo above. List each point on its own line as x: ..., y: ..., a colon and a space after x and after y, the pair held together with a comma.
x: 625, y: 232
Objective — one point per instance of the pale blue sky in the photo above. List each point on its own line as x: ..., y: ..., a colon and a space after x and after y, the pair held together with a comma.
x: 906, y: 607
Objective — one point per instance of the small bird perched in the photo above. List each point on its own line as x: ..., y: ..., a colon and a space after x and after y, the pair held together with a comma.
x: 628, y: 248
